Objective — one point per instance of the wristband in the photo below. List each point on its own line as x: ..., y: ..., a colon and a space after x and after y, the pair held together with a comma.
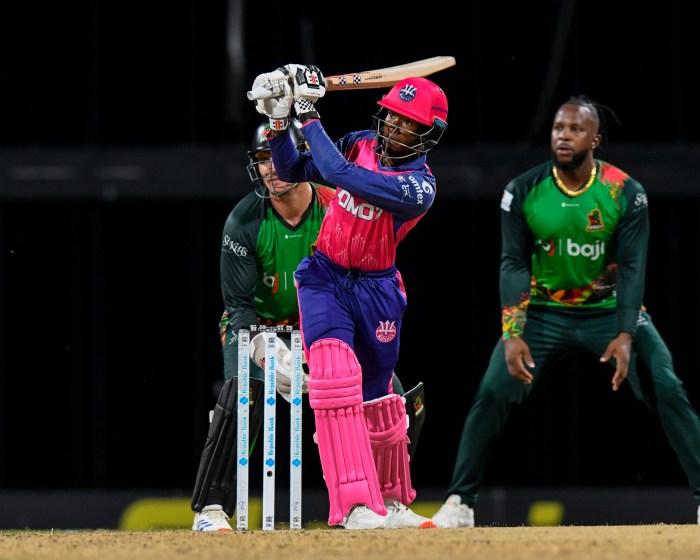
x: 309, y: 115
x: 279, y: 124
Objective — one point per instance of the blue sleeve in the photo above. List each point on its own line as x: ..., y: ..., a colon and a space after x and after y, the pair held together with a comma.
x: 407, y: 195
x: 292, y: 165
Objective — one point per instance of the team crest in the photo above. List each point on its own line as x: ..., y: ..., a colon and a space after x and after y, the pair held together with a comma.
x: 408, y: 92
x: 418, y: 406
x: 595, y: 221
x: 386, y: 331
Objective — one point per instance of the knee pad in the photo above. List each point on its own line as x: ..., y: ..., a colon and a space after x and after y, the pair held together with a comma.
x: 335, y: 375
x: 335, y: 394
x: 386, y: 424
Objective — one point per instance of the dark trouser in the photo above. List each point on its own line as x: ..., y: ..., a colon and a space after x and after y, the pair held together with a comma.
x: 552, y: 333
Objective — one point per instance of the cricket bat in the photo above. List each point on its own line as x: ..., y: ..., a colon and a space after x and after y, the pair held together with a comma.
x: 387, y: 77
x: 373, y: 79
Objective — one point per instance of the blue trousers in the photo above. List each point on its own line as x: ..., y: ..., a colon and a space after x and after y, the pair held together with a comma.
x: 363, y: 309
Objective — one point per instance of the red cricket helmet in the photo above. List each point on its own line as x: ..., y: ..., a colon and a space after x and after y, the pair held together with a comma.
x: 419, y: 99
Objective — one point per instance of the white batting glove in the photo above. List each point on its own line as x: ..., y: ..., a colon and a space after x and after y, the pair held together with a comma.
x: 305, y: 110
x: 283, y: 365
x: 277, y: 109
x: 307, y: 82
x: 269, y: 84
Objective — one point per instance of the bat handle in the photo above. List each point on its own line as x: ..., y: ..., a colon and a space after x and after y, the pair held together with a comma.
x: 260, y: 93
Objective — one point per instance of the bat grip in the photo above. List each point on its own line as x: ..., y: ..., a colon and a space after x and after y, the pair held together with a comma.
x: 260, y: 93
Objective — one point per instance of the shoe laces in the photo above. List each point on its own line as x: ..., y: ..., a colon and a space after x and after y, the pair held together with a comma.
x: 394, y: 506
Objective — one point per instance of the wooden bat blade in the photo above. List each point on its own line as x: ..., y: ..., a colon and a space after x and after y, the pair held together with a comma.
x: 387, y: 77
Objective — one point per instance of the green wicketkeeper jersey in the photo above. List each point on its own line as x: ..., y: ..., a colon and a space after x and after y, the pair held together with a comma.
x: 259, y: 254
x: 575, y: 252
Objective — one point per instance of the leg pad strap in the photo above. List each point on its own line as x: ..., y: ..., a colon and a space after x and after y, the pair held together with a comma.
x: 386, y: 424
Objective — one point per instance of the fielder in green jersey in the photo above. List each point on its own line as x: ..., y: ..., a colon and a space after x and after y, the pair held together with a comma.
x: 574, y: 247
x: 264, y: 238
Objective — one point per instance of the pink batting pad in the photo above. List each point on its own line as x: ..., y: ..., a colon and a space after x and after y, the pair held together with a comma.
x: 335, y: 394
x: 386, y: 422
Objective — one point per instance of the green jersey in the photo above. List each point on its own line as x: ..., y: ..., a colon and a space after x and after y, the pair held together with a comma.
x: 586, y: 251
x: 259, y: 253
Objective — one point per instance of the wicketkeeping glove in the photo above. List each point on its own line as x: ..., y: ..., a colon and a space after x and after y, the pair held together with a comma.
x: 283, y: 366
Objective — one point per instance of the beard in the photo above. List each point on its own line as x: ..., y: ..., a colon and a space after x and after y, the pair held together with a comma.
x: 576, y: 161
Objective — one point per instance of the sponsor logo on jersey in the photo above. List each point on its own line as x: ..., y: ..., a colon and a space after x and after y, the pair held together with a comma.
x: 548, y: 246
x: 271, y: 281
x: 506, y: 199
x: 386, y: 331
x: 641, y: 320
x: 641, y: 200
x: 235, y: 248
x: 591, y: 251
x: 364, y: 210
x: 420, y: 189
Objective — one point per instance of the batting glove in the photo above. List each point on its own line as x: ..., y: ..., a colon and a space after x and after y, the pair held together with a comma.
x: 307, y: 81
x: 305, y: 110
x: 277, y: 109
x: 269, y: 84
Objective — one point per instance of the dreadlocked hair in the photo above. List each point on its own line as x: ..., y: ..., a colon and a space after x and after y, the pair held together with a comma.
x: 601, y: 112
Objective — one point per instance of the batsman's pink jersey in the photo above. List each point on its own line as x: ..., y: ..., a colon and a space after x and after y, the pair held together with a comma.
x: 374, y: 207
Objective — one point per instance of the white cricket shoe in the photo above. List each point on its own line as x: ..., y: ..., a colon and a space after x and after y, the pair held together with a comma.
x: 211, y: 518
x: 698, y: 515
x: 363, y: 517
x: 453, y: 513
x: 398, y: 517
x: 401, y: 517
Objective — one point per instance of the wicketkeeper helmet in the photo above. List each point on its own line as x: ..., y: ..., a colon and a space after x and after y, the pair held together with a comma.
x: 260, y: 144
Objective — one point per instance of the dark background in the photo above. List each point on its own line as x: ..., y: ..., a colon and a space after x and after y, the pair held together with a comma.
x: 109, y: 295
x: 153, y: 73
